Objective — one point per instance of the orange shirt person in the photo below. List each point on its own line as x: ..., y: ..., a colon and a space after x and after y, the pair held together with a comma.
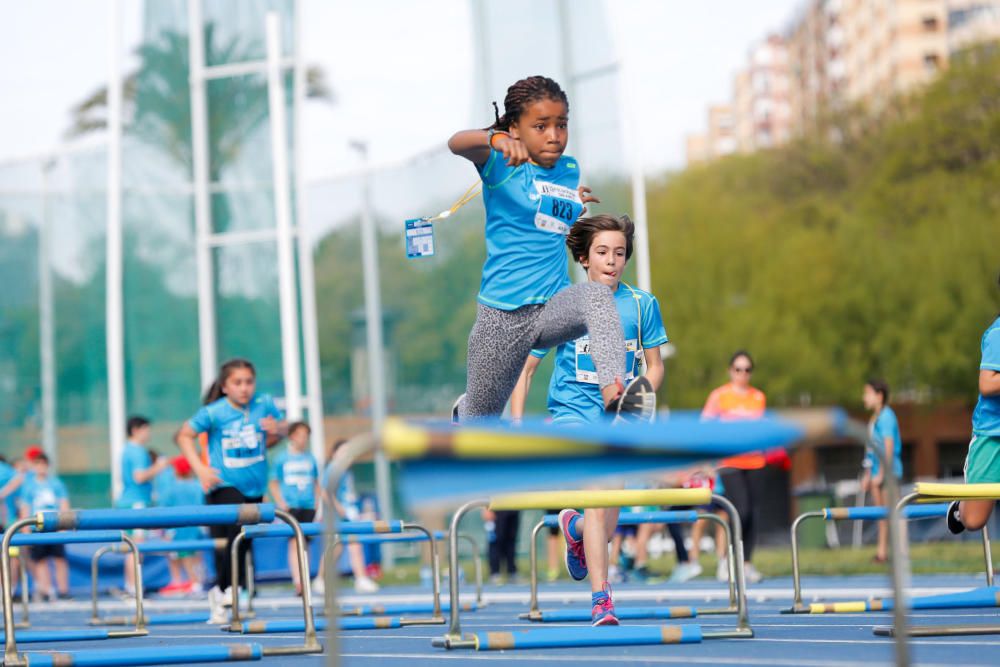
x: 734, y: 401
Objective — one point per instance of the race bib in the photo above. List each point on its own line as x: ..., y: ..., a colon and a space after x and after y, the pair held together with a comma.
x: 558, y: 207
x: 586, y: 372
x: 242, y: 449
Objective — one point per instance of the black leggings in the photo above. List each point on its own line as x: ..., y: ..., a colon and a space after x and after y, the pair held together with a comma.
x: 228, y: 495
x: 503, y: 549
x: 742, y: 490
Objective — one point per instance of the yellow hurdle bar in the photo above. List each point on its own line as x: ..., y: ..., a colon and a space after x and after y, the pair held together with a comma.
x: 533, y: 500
x: 405, y: 441
x: 935, y: 492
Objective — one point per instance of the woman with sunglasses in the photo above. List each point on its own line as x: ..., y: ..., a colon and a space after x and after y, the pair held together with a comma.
x: 737, y: 399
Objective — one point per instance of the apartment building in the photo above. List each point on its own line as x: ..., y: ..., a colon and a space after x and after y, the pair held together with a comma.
x: 761, y: 97
x: 816, y: 64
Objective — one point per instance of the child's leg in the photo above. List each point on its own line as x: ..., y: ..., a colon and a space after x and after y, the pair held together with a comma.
x: 882, y: 550
x: 499, y: 343
x: 172, y: 566
x: 597, y: 527
x: 587, y: 308
x: 190, y: 566
x: 42, y: 577
x: 975, y: 513
x: 62, y: 575
x: 293, y: 565
x: 721, y: 546
x: 357, y: 556
x: 697, y: 531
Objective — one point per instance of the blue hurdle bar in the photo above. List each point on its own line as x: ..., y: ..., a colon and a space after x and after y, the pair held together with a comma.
x: 623, y: 635
x: 295, y: 624
x: 154, y: 517
x: 157, y: 655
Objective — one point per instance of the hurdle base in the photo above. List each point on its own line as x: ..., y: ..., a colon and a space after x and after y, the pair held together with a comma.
x: 125, y: 634
x: 450, y: 642
x: 232, y: 627
x: 309, y: 648
x: 716, y: 611
x: 112, y: 620
x: 735, y: 633
x: 433, y: 620
x: 939, y: 630
x: 535, y: 616
x: 797, y: 608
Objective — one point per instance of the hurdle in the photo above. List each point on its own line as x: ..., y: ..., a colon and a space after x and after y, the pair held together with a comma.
x: 84, y: 537
x: 359, y: 528
x: 439, y: 459
x: 153, y: 546
x: 553, y: 637
x: 631, y: 519
x: 929, y: 492
x: 911, y: 512
x: 158, y: 517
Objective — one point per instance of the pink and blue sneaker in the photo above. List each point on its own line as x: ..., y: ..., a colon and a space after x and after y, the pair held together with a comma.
x: 603, y: 612
x: 576, y: 560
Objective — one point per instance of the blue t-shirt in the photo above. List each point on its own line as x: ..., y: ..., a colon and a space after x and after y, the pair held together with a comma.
x: 135, y: 457
x: 184, y: 493
x: 986, y: 416
x: 236, y: 441
x: 297, y: 474
x: 348, y: 497
x: 40, y: 495
x: 574, y: 394
x: 886, y: 426
x: 8, y: 473
x: 529, y: 210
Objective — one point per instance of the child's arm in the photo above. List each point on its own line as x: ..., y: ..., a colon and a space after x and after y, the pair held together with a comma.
x: 520, y: 394
x: 274, y: 487
x: 989, y: 382
x: 11, y: 486
x: 474, y: 145
x: 146, y: 474
x: 654, y: 366
x: 207, y: 476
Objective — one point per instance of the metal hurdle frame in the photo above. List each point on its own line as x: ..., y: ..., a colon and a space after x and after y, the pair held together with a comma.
x: 216, y: 543
x: 150, y: 518
x: 536, y: 614
x: 930, y: 492
x: 455, y: 639
x: 848, y: 513
x: 236, y: 624
x: 127, y: 545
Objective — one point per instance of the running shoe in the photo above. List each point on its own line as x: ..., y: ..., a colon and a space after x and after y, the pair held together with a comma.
x: 217, y: 614
x: 576, y: 560
x: 685, y: 572
x: 751, y: 574
x: 955, y: 524
x: 454, y: 408
x: 365, y: 585
x: 636, y: 403
x: 603, y: 612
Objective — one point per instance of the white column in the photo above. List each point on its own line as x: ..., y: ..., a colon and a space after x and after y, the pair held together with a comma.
x: 115, y: 335
x: 287, y: 302
x: 373, y: 340
x: 633, y: 150
x: 46, y: 327
x: 307, y: 281
x: 202, y: 203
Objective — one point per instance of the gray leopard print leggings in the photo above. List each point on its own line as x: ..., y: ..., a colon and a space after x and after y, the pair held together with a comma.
x: 501, y: 340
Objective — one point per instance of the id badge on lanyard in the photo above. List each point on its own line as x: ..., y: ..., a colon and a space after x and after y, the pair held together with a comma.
x: 558, y: 207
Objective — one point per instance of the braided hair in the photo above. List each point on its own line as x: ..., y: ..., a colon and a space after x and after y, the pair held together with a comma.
x: 523, y: 93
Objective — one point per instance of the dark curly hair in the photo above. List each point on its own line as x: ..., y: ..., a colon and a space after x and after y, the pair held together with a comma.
x: 523, y: 93
x: 581, y: 234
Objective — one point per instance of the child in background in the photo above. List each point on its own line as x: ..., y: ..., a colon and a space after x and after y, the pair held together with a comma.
x: 345, y: 504
x: 43, y: 492
x: 295, y: 487
x: 138, y: 468
x: 184, y: 490
x: 10, y: 483
x: 240, y: 425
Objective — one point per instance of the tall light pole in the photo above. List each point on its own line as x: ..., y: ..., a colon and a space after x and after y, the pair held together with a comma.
x: 373, y: 336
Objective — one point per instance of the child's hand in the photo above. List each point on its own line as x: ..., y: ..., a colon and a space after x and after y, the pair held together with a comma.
x: 209, y: 478
x: 270, y: 425
x: 512, y: 149
x: 586, y: 198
